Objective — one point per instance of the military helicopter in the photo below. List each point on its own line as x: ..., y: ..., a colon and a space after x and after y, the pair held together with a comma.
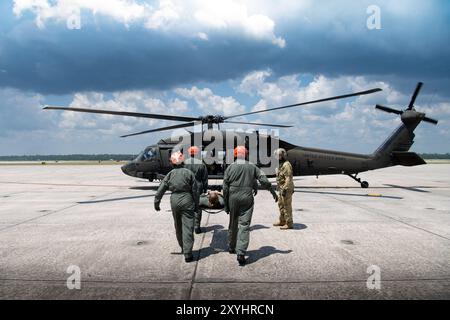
x: 153, y: 162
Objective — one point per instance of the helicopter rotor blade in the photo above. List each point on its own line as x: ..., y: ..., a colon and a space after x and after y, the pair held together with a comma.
x: 387, y: 109
x: 308, y: 102
x: 414, y: 96
x: 177, y: 126
x: 430, y: 120
x: 260, y: 124
x: 125, y: 113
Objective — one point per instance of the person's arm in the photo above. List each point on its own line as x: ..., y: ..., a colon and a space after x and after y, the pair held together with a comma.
x: 265, y: 183
x: 226, y: 191
x: 255, y: 188
x: 161, y: 190
x: 194, y: 190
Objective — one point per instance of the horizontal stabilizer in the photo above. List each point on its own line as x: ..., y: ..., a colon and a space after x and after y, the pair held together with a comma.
x: 408, y: 159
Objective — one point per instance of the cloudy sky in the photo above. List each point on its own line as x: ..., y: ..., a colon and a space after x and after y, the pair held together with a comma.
x: 197, y: 57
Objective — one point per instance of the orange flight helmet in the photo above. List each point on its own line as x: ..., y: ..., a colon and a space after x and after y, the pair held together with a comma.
x: 240, y: 152
x: 194, y: 150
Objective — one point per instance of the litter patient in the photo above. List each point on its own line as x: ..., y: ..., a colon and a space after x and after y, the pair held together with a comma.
x: 212, y: 200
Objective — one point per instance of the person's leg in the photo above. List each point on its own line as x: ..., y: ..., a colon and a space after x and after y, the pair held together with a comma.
x: 198, y: 213
x: 288, y: 211
x: 187, y: 218
x: 232, y: 230
x: 288, y: 206
x: 198, y: 221
x: 282, y: 209
x: 178, y: 226
x: 243, y: 236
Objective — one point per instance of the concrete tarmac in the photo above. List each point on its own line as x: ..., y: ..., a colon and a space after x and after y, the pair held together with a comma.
x: 103, y: 222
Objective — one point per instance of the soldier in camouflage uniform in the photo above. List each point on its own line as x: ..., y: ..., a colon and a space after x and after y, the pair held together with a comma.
x: 181, y: 182
x: 239, y: 185
x: 286, y: 189
x: 200, y: 172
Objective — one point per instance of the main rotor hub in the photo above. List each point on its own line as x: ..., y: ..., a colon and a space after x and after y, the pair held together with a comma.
x: 213, y: 119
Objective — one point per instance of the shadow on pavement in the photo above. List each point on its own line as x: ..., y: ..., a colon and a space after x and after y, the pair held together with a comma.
x: 116, y: 199
x: 212, y: 228
x: 145, y: 188
x: 415, y: 188
x: 300, y: 226
x: 264, y: 252
x: 258, y: 227
x: 219, y: 243
x: 297, y: 190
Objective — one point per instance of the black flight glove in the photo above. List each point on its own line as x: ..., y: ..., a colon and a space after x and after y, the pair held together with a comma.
x: 157, y: 207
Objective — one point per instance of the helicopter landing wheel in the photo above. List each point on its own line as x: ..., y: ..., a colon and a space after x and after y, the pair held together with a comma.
x: 364, y: 184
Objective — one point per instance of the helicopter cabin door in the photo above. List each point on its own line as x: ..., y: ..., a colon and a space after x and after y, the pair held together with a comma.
x: 165, y: 154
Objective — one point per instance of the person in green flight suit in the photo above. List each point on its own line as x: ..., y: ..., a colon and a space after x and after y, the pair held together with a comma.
x: 200, y: 172
x: 183, y: 200
x: 239, y: 186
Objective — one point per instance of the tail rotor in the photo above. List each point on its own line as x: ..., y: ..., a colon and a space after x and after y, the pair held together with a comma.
x: 410, y: 109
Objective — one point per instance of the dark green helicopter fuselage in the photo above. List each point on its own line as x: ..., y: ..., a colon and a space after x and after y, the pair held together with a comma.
x: 153, y: 162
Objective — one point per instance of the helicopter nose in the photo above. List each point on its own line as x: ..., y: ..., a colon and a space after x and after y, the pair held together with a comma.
x: 128, y: 168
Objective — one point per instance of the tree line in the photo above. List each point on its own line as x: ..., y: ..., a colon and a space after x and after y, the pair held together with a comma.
x: 70, y: 157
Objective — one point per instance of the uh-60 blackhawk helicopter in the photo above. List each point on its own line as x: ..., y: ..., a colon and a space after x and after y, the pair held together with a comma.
x: 153, y: 162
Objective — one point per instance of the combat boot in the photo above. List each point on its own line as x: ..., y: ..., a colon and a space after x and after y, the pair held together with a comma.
x: 287, y: 226
x: 188, y: 257
x: 279, y: 224
x: 241, y: 259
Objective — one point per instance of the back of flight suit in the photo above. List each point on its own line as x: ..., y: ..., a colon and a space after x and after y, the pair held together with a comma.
x: 181, y: 182
x: 239, y: 183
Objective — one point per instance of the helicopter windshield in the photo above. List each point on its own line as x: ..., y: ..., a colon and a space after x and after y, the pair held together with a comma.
x: 147, y: 154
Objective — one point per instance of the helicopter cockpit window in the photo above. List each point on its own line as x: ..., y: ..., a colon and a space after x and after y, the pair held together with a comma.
x: 148, y: 154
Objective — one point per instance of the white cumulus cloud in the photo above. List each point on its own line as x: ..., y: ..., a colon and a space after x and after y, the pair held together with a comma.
x: 124, y: 11
x: 230, y: 14
x: 185, y: 18
x: 210, y: 103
